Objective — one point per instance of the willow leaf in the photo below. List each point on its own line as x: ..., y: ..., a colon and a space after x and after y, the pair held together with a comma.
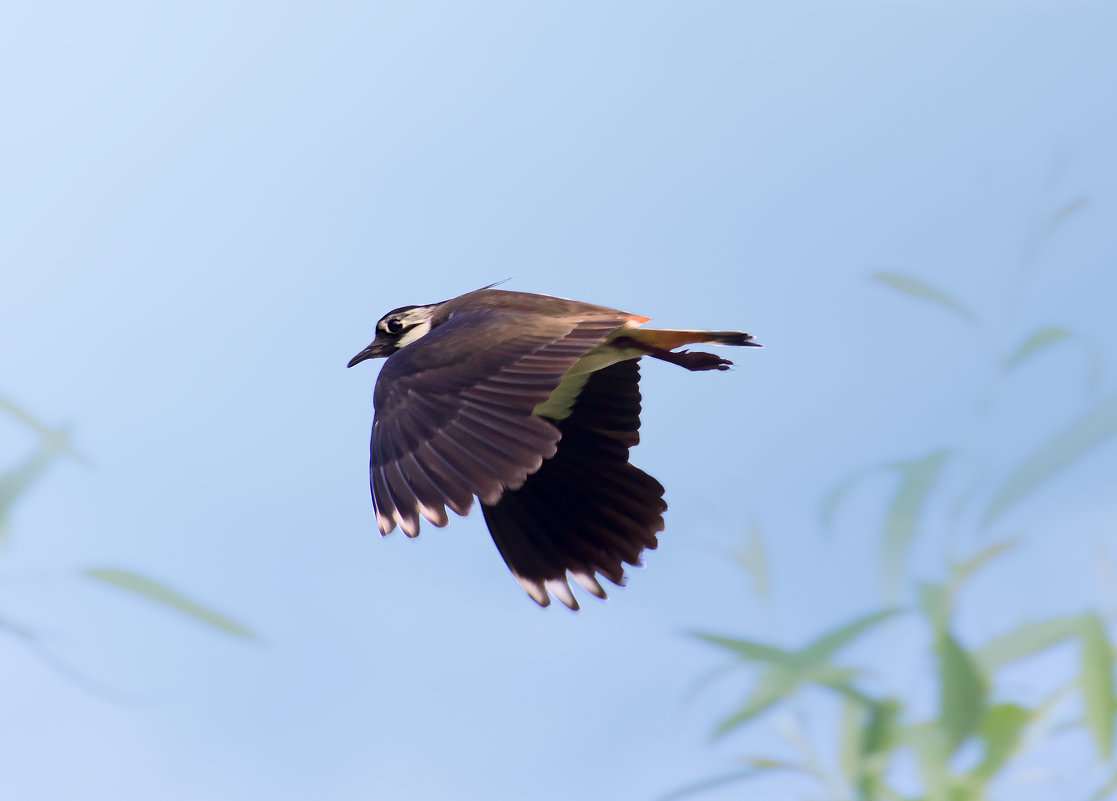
x: 1036, y: 342
x: 818, y: 652
x: 919, y: 289
x: 748, y: 649
x: 1088, y: 431
x: 154, y: 591
x: 1026, y: 641
x: 1097, y: 683
x: 917, y: 479
x: 961, y: 692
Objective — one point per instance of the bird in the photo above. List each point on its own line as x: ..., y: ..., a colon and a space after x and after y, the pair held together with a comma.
x: 529, y: 403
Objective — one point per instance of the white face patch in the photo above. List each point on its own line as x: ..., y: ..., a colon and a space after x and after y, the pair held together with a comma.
x: 419, y: 331
x: 411, y: 324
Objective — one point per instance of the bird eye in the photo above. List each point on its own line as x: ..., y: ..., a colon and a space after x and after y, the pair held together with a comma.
x: 394, y: 326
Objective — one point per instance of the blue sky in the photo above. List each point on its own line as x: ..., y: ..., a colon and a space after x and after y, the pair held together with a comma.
x: 207, y: 207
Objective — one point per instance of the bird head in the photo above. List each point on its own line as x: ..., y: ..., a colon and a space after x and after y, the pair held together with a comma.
x: 397, y: 329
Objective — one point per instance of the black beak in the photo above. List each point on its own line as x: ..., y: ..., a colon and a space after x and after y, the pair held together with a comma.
x: 374, y: 351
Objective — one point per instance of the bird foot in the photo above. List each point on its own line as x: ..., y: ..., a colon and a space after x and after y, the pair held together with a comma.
x: 694, y: 360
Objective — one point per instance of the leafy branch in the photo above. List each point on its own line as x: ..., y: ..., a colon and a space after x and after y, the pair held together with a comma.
x: 18, y: 481
x: 977, y: 730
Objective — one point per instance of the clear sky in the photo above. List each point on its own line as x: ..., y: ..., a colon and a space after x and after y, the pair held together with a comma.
x: 205, y: 207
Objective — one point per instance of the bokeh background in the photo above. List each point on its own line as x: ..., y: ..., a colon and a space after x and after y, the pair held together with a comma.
x: 206, y: 206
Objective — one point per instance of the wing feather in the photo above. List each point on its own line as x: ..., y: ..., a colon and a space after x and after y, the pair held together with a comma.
x: 454, y: 409
x: 587, y: 510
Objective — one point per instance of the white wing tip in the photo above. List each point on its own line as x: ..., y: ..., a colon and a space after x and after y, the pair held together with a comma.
x: 541, y: 591
x: 560, y: 588
x: 386, y: 524
x: 535, y: 590
x: 589, y: 583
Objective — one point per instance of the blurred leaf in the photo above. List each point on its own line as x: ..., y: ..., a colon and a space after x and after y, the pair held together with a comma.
x: 819, y: 651
x: 936, y: 604
x: 937, y: 601
x: 789, y: 670
x: 709, y: 678
x: 961, y: 691
x: 1027, y: 640
x: 18, y: 631
x: 1106, y: 791
x: 15, y: 482
x: 1062, y: 449
x: 747, y: 649
x: 767, y: 763
x: 869, y: 733
x: 722, y: 781
x: 1065, y: 213
x: 919, y: 289
x: 1001, y: 732
x: 160, y: 594
x: 1097, y: 683
x: 838, y: 679
x: 1036, y: 342
x: 834, y: 498
x: 881, y: 734
x: 881, y: 738
x: 928, y: 742
x: 57, y: 439
x: 771, y: 689
x: 755, y: 561
x: 962, y: 571
x: 851, y: 737
x: 917, y: 479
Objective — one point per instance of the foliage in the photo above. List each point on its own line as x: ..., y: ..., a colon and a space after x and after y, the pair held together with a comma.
x: 888, y: 746
x: 16, y: 482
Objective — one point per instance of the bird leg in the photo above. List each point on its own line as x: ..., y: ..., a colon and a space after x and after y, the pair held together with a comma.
x: 691, y: 360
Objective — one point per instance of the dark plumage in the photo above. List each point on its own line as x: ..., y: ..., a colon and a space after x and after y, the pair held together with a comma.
x: 530, y: 403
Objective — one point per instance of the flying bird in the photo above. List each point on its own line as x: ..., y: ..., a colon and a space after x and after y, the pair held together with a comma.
x: 530, y: 403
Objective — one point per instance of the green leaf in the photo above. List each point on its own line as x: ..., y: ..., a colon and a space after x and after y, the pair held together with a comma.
x: 15, y: 482
x: 1026, y: 641
x: 961, y: 692
x: 917, y: 479
x: 851, y: 739
x: 754, y: 560
x: 919, y: 289
x: 963, y: 570
x: 840, y: 680
x: 749, y: 650
x: 771, y: 689
x: 927, y: 740
x: 1069, y: 444
x: 57, y: 439
x: 1065, y: 213
x: 878, y: 737
x: 936, y: 602
x: 818, y: 652
x: 1001, y: 732
x: 714, y: 783
x: 881, y: 734
x: 1033, y: 344
x: 833, y: 499
x: 154, y: 591
x: 1097, y: 683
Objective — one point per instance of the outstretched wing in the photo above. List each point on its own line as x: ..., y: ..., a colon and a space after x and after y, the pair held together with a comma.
x: 454, y: 410
x: 587, y: 510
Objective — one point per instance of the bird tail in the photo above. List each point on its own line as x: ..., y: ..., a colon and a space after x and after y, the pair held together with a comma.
x: 669, y: 339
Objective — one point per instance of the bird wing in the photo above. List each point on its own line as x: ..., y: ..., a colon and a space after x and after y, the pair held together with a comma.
x: 454, y: 410
x: 587, y: 510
